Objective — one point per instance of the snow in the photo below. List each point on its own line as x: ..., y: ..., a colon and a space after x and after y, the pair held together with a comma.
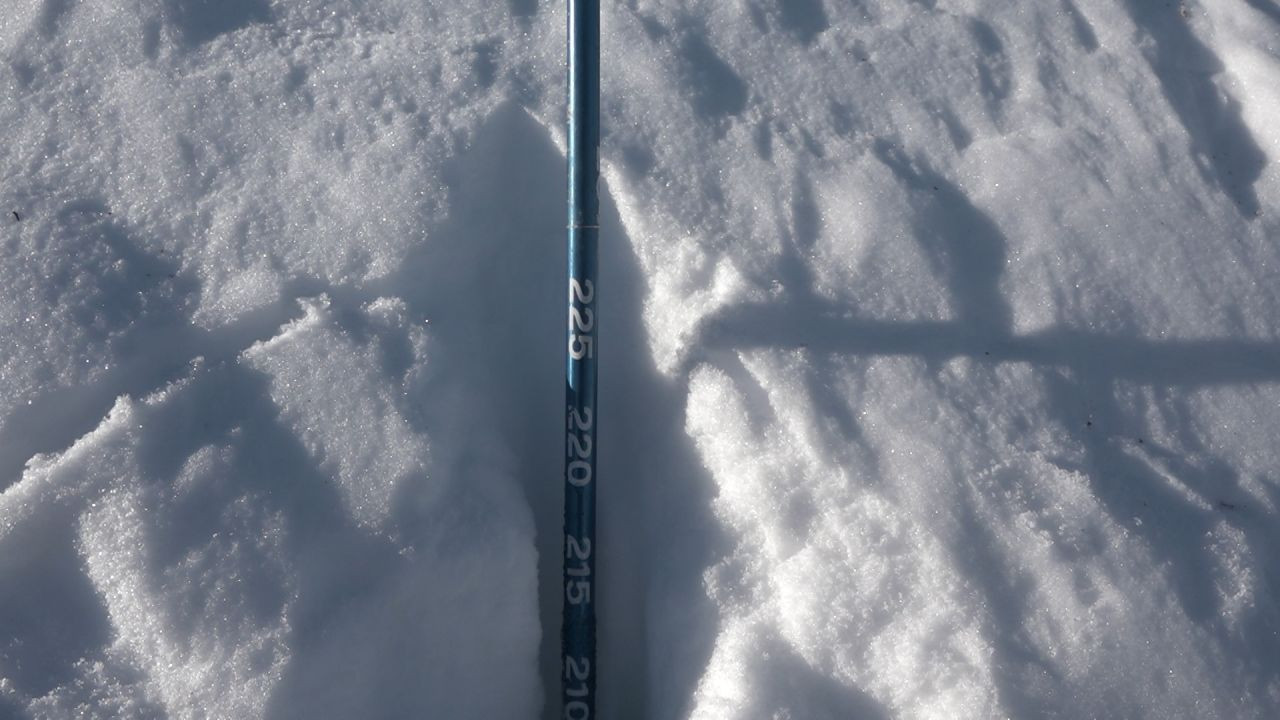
x: 940, y: 359
x: 330, y: 398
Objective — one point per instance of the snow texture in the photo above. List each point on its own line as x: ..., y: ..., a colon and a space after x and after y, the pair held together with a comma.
x: 940, y: 359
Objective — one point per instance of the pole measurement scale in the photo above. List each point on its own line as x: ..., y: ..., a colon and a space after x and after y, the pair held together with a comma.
x: 578, y: 630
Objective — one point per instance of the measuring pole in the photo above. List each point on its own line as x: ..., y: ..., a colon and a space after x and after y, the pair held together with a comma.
x: 578, y: 632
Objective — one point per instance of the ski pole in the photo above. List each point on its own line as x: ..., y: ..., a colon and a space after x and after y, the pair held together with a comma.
x: 578, y: 631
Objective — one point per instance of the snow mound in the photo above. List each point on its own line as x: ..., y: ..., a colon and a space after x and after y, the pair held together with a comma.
x: 192, y: 558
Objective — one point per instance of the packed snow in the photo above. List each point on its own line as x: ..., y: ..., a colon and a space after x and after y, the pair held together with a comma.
x: 940, y: 359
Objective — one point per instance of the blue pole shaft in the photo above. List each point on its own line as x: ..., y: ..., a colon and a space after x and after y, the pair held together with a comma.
x: 578, y: 677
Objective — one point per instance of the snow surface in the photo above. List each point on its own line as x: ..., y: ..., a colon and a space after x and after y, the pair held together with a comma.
x: 940, y: 359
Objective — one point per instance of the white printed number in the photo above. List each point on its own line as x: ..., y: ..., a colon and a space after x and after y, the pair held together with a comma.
x: 579, y: 446
x: 577, y: 569
x: 582, y: 321
x: 576, y: 670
